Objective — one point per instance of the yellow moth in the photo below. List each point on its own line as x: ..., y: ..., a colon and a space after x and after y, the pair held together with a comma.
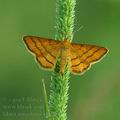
x: 79, y: 56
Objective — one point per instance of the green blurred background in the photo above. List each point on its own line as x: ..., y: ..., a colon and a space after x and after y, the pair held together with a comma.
x: 93, y: 96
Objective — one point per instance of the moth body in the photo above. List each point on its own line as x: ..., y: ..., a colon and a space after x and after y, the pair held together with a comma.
x: 65, y: 55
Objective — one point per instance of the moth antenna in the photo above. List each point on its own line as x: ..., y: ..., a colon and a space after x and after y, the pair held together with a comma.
x: 80, y: 28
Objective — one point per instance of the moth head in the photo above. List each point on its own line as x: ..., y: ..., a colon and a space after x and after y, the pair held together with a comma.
x: 66, y: 43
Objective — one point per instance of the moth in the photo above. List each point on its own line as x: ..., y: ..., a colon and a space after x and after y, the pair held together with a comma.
x: 79, y: 56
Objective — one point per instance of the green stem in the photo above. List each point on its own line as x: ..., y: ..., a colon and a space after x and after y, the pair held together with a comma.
x: 65, y: 14
x: 60, y: 82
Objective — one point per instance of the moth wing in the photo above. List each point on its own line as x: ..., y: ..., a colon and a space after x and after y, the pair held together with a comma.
x: 45, y: 50
x: 83, y: 56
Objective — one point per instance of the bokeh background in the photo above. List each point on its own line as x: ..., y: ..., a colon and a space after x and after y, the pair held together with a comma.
x: 93, y: 96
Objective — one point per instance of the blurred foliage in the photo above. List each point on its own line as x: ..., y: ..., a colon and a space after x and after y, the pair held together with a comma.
x: 93, y: 96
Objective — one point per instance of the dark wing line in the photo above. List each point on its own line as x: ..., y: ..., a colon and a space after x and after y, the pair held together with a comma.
x: 77, y: 56
x: 41, y: 53
x: 87, y: 57
x: 42, y: 64
x: 92, y: 54
x: 46, y: 49
x: 82, y: 70
x: 99, y: 57
x: 83, y: 53
x: 27, y: 44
